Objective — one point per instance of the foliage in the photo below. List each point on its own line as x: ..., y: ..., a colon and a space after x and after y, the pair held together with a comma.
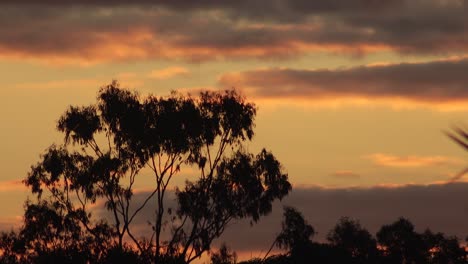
x: 224, y: 256
x: 349, y: 242
x: 110, y: 145
x: 401, y: 243
x: 349, y: 236
x: 295, y: 233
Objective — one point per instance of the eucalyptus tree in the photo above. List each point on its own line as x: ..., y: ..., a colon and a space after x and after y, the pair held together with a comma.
x: 111, y: 145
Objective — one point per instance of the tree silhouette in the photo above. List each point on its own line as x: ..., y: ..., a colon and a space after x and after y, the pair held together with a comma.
x: 357, y: 242
x: 296, y: 233
x: 224, y: 256
x: 108, y: 147
x: 398, y: 243
x: 444, y: 249
x: 401, y: 243
x: 11, y: 248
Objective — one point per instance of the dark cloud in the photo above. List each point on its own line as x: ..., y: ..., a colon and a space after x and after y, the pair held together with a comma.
x: 440, y: 207
x: 118, y: 29
x: 242, y: 4
x: 437, y: 81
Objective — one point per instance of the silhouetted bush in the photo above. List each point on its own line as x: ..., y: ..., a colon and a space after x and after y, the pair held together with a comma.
x: 349, y: 242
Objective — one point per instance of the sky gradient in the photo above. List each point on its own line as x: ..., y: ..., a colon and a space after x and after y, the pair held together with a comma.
x: 353, y: 96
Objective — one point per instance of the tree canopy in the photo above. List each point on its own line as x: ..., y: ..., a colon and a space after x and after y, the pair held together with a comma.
x: 110, y: 145
x: 349, y: 242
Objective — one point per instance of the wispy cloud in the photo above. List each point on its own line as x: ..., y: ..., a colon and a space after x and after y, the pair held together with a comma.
x: 168, y: 73
x: 90, y: 85
x: 60, y: 84
x: 345, y: 174
x: 388, y: 160
x: 12, y: 186
x: 10, y: 223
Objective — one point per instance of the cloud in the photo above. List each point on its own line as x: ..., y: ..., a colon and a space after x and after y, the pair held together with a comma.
x: 88, y: 85
x: 12, y: 186
x: 168, y: 73
x: 59, y: 84
x: 275, y: 10
x: 388, y: 160
x: 458, y: 176
x: 345, y: 174
x: 10, y: 223
x: 93, y: 31
x: 440, y: 207
x: 429, y: 82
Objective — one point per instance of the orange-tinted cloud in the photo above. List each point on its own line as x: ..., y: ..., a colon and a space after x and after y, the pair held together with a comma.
x: 10, y: 223
x: 168, y: 73
x: 86, y: 85
x: 435, y: 82
x: 345, y: 174
x: 388, y: 160
x: 12, y: 186
x: 58, y: 84
x: 91, y: 31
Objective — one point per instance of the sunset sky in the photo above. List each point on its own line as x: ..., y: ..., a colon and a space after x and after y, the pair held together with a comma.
x: 354, y: 96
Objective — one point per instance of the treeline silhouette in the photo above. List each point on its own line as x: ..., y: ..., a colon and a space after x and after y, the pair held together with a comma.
x: 107, y: 145
x: 349, y: 242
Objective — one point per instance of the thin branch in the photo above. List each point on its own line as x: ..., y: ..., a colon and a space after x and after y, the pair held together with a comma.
x: 142, y: 206
x: 269, y: 250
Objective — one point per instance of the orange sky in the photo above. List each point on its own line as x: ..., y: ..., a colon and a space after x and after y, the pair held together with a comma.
x: 351, y: 94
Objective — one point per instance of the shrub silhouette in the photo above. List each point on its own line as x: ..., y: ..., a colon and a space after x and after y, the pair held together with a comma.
x: 349, y: 242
